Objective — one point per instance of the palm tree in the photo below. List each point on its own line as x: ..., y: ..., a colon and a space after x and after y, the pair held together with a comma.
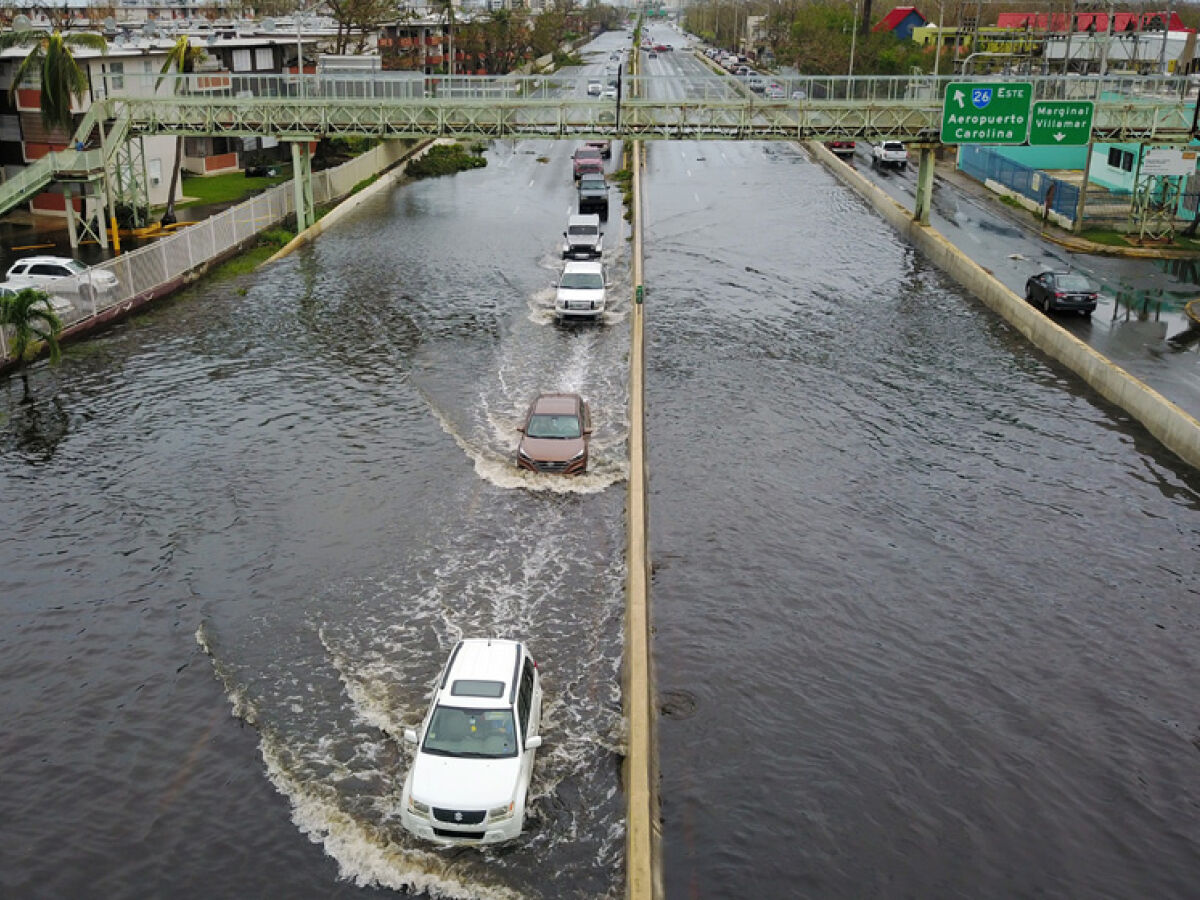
x: 34, y: 323
x: 182, y: 58
x: 60, y: 75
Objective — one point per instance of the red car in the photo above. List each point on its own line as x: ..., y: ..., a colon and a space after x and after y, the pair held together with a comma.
x: 587, y: 159
x: 841, y: 148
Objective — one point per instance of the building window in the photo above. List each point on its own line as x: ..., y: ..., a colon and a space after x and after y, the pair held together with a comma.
x: 154, y: 171
x: 1120, y: 159
x: 264, y: 59
x: 116, y: 76
x: 241, y: 61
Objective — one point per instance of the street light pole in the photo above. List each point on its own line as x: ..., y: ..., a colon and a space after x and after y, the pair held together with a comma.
x: 937, y: 43
x: 853, y: 37
x: 299, y: 54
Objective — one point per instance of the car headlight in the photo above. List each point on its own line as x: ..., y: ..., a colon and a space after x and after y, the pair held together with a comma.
x: 500, y: 813
x: 417, y: 807
x: 580, y: 455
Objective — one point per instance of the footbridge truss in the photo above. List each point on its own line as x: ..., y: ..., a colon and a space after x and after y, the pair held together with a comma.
x: 711, y: 107
x: 394, y: 105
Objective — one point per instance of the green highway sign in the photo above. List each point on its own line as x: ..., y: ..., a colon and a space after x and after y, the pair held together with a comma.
x: 1061, y: 123
x: 976, y: 112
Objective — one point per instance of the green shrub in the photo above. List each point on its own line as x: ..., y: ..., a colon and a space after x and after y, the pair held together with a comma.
x: 444, y: 159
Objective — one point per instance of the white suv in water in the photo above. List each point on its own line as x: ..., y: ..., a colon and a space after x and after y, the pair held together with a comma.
x: 475, y: 749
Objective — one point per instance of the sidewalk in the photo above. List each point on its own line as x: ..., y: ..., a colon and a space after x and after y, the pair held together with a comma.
x: 946, y: 170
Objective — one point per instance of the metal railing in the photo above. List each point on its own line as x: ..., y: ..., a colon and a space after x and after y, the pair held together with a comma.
x: 159, y: 267
x: 708, y: 106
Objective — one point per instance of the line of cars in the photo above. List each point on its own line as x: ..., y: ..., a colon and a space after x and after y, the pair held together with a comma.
x: 475, y: 747
x: 557, y: 426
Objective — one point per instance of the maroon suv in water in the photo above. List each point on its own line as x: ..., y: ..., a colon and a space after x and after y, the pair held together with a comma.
x: 554, y: 435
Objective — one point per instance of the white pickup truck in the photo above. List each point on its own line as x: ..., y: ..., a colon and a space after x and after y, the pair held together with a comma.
x: 889, y: 155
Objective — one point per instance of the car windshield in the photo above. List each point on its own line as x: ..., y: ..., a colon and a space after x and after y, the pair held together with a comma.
x: 582, y: 281
x: 589, y: 154
x: 580, y: 230
x: 471, y: 733
x: 591, y: 183
x: 542, y: 425
x: 1073, y: 282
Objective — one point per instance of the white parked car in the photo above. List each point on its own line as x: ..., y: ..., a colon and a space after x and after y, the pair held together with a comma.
x: 470, y: 776
x: 60, y: 306
x: 61, y: 275
x: 609, y: 93
x: 581, y: 291
x: 594, y: 88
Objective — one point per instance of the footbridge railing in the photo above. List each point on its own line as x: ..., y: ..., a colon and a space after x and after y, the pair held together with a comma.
x: 688, y: 107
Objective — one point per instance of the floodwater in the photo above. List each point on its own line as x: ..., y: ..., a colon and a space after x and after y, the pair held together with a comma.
x: 925, y: 607
x: 243, y: 531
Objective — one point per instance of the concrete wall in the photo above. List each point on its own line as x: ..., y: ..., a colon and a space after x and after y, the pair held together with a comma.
x: 1177, y: 430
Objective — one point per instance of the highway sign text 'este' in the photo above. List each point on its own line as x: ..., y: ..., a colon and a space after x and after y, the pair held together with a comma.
x: 986, y: 113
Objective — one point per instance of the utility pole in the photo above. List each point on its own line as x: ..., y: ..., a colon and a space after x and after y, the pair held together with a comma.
x: 1070, y: 33
x: 1162, y: 56
x: 1108, y: 32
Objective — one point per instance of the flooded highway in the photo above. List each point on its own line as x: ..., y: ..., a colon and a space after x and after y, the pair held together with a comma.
x: 301, y: 482
x: 925, y: 606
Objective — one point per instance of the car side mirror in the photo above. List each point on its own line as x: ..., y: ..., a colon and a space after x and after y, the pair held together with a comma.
x: 534, y: 742
x: 607, y: 285
x: 521, y: 429
x: 410, y: 735
x: 564, y: 234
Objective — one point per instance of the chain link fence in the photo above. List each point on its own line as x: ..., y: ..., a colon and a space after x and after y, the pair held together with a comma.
x: 163, y: 266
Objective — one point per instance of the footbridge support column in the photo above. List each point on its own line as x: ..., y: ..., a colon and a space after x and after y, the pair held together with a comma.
x: 302, y: 184
x: 924, y: 183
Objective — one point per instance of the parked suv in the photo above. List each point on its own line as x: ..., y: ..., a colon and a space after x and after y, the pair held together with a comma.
x: 61, y: 275
x: 555, y: 435
x: 581, y: 292
x: 583, y: 238
x: 475, y: 748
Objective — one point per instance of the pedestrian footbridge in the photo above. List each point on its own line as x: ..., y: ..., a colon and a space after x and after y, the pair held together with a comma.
x: 400, y: 105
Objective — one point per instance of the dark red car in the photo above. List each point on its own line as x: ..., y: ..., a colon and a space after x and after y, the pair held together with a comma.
x: 587, y: 159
